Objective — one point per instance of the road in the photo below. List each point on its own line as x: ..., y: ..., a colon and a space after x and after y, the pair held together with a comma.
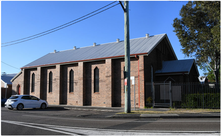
x: 65, y: 122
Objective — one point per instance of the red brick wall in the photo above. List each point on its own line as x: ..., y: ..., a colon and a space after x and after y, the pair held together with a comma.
x: 142, y: 81
x: 118, y: 82
x: 75, y: 97
x: 53, y: 97
x: 98, y: 98
x: 38, y: 82
x: 18, y: 81
x: 111, y: 82
x: 81, y: 83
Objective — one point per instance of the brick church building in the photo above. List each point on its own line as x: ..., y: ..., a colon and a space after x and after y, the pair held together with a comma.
x: 94, y: 75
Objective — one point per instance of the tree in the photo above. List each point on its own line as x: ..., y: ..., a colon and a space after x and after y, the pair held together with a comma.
x: 210, y: 75
x: 198, y: 31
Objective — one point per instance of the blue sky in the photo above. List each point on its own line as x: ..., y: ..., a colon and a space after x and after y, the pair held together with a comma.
x: 20, y: 19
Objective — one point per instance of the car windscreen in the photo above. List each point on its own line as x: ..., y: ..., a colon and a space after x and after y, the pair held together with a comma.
x: 13, y: 97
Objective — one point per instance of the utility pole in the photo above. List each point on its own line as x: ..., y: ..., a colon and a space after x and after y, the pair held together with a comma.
x: 127, y: 107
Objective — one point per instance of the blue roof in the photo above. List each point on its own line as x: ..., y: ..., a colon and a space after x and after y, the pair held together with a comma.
x: 176, y: 66
x: 108, y: 50
x: 7, y: 77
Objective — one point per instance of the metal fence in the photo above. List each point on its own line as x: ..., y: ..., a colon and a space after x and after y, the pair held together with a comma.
x: 196, y: 95
x: 184, y: 95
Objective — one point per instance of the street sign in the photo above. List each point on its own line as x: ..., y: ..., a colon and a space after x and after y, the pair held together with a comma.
x: 125, y: 81
x: 133, y: 80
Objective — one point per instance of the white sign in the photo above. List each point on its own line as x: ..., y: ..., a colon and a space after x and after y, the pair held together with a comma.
x: 5, y: 85
x: 133, y: 80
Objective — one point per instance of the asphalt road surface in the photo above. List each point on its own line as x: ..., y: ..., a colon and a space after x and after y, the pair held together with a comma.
x: 54, y: 121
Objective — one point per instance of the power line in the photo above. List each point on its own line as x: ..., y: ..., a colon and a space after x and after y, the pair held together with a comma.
x: 61, y: 26
x: 10, y: 65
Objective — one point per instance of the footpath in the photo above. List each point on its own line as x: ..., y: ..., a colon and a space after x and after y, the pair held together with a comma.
x: 118, y: 112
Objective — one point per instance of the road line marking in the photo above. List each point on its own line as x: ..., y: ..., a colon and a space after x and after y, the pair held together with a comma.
x: 95, y: 131
x: 25, y: 124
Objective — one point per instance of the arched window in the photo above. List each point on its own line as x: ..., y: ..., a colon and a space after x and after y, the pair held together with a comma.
x: 33, y: 82
x: 71, y: 81
x: 96, y: 80
x: 50, y: 82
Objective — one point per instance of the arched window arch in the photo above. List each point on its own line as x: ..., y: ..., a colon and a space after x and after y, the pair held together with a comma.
x: 50, y: 82
x: 96, y: 80
x: 33, y: 82
x: 71, y: 81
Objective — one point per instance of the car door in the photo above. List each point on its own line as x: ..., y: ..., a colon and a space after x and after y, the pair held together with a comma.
x: 26, y: 101
x: 35, y: 102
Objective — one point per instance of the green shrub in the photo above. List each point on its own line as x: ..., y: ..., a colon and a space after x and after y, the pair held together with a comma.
x: 149, y: 100
x: 206, y: 100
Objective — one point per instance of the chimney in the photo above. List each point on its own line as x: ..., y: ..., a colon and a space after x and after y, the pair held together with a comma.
x: 147, y: 35
x: 75, y: 48
x: 94, y: 44
x: 55, y: 51
x: 118, y: 40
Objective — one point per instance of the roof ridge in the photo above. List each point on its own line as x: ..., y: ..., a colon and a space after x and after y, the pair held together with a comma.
x: 149, y: 36
x: 105, y: 43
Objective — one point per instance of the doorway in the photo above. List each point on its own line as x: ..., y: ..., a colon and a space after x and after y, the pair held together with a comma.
x: 18, y: 89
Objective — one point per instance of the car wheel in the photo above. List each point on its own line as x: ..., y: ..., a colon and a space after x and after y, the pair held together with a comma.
x: 20, y: 106
x: 43, y: 106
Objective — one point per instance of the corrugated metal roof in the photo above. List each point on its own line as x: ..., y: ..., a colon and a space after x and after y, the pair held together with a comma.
x: 138, y: 45
x: 7, y: 77
x: 176, y: 66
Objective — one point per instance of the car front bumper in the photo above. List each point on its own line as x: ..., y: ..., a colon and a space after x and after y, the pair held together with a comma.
x: 10, y: 105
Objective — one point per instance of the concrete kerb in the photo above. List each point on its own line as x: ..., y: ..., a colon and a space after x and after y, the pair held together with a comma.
x: 164, y: 116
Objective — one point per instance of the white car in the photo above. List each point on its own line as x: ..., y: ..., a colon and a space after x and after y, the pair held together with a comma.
x: 25, y: 101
